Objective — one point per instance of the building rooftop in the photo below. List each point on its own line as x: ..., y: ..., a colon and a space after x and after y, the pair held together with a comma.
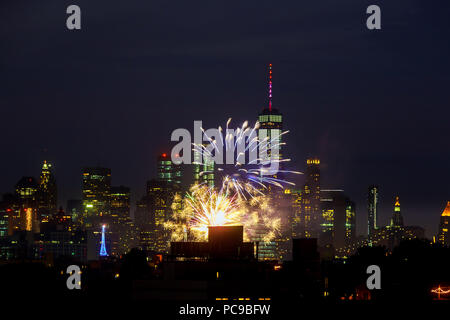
x: 446, y: 212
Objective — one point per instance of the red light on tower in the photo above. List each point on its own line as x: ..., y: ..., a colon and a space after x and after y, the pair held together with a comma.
x: 270, y: 87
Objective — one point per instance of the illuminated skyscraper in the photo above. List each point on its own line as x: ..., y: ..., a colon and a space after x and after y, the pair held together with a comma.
x: 444, y: 235
x: 24, y: 214
x: 160, y: 195
x: 310, y: 218
x: 270, y: 126
x: 338, y: 227
x: 120, y: 203
x: 269, y: 136
x: 121, y: 225
x: 96, y: 194
x: 47, y: 193
x: 372, y: 206
x: 296, y: 212
x: 203, y: 170
x: 397, y: 218
x: 156, y: 207
x: 96, y: 205
x: 168, y: 171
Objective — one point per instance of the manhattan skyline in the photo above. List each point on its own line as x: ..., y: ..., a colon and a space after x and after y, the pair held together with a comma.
x: 372, y: 106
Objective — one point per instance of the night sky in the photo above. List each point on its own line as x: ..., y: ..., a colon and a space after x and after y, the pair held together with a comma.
x: 373, y: 105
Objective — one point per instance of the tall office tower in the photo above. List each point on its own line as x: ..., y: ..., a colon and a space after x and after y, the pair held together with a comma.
x: 160, y: 195
x: 350, y: 222
x: 120, y: 203
x: 310, y: 219
x: 372, y: 207
x: 338, y: 227
x: 444, y: 235
x: 96, y: 205
x: 96, y: 195
x: 269, y: 135
x: 397, y: 218
x: 168, y: 171
x: 270, y: 127
x: 24, y: 216
x: 142, y: 216
x: 120, y: 220
x: 203, y: 170
x: 47, y: 193
x: 296, y: 212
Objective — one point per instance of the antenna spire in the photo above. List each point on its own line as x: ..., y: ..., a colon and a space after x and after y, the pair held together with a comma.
x: 270, y: 87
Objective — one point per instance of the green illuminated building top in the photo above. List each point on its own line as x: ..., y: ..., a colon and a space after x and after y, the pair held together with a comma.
x: 397, y: 218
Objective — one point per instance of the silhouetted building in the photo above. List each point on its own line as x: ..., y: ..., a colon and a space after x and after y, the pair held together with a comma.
x: 57, y: 238
x: 122, y: 226
x: 338, y: 228
x: 310, y: 218
x: 224, y: 243
x: 75, y: 210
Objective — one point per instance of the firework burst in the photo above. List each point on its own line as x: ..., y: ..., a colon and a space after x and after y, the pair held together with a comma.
x: 204, y: 207
x: 248, y: 180
x: 242, y: 197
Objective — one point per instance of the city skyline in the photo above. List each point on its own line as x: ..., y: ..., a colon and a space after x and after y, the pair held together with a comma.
x: 367, y: 128
x: 233, y: 159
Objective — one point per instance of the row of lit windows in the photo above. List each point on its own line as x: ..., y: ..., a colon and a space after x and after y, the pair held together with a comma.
x: 272, y: 118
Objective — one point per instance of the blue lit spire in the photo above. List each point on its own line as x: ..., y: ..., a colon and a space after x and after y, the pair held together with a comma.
x: 103, y: 252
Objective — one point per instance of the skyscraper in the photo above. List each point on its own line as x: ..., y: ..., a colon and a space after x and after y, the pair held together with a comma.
x: 24, y: 216
x: 96, y: 194
x: 372, y: 207
x: 96, y: 205
x: 311, y: 214
x: 338, y: 227
x: 47, y: 193
x: 269, y: 136
x: 122, y: 237
x: 444, y: 225
x: 397, y: 218
x: 157, y: 205
x: 203, y: 169
x: 159, y: 196
x: 168, y: 171
x: 270, y: 127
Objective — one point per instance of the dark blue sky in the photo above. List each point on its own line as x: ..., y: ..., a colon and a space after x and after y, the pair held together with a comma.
x: 373, y: 105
